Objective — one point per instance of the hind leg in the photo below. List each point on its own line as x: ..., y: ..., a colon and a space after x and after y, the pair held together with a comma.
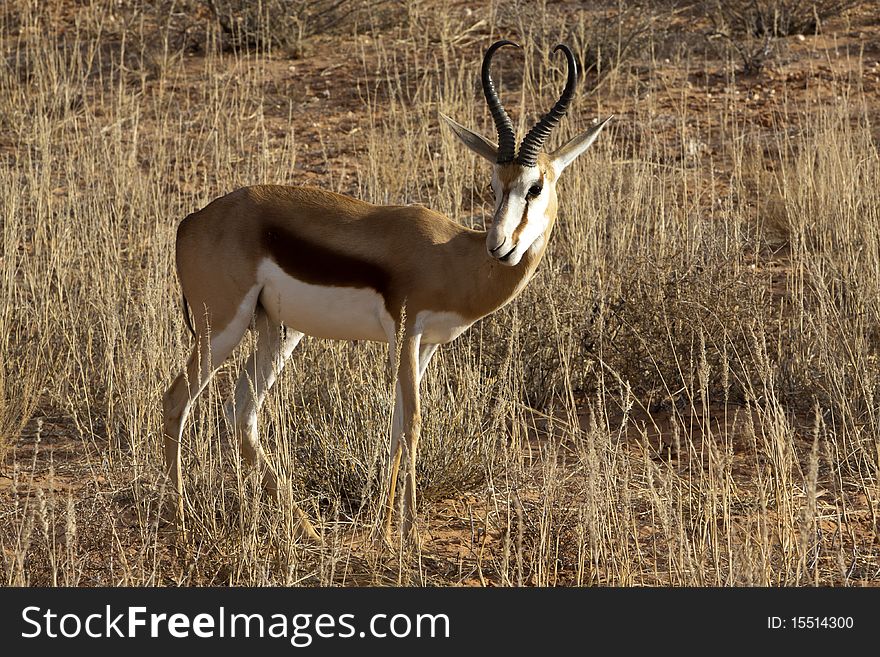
x: 256, y: 379
x: 207, y: 355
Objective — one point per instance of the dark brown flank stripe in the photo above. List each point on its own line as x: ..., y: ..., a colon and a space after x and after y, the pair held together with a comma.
x: 317, y: 265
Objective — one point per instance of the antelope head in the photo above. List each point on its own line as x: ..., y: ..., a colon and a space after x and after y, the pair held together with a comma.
x: 524, y: 183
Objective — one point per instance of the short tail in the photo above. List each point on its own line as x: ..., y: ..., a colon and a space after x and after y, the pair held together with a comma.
x: 187, y: 318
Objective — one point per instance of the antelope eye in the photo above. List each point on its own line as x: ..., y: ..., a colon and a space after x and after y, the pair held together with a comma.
x: 534, y: 191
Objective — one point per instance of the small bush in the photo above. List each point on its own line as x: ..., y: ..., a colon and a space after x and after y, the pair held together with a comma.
x: 774, y: 18
x: 283, y: 24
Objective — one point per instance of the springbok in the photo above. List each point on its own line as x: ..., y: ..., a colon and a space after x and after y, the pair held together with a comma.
x: 294, y: 261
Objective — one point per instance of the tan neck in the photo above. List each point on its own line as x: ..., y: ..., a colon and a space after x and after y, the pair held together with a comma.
x: 489, y: 285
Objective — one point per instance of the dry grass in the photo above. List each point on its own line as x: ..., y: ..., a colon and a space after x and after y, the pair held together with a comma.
x: 687, y: 394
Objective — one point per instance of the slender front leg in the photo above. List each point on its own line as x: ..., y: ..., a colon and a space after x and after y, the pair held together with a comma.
x: 393, y: 459
x: 408, y: 378
x: 398, y: 432
x: 412, y: 429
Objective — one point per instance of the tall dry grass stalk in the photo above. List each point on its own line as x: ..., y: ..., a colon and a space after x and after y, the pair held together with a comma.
x: 687, y: 394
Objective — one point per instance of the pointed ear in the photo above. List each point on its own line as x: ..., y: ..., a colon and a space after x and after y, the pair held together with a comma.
x: 479, y: 145
x: 567, y: 153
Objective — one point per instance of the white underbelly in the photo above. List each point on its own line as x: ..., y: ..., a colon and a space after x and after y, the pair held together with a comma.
x: 337, y: 313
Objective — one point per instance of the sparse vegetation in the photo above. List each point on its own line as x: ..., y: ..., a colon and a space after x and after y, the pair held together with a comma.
x: 776, y: 18
x: 752, y: 27
x: 279, y: 24
x: 687, y: 393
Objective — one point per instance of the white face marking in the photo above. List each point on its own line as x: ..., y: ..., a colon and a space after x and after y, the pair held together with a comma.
x: 510, y: 205
x: 336, y: 313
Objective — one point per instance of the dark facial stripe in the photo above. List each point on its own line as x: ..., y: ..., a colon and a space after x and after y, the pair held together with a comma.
x: 525, y: 215
x: 522, y: 224
x: 312, y: 263
x: 502, y: 208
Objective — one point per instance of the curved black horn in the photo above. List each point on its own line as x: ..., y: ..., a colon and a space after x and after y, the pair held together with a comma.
x: 506, y: 135
x: 534, y: 141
